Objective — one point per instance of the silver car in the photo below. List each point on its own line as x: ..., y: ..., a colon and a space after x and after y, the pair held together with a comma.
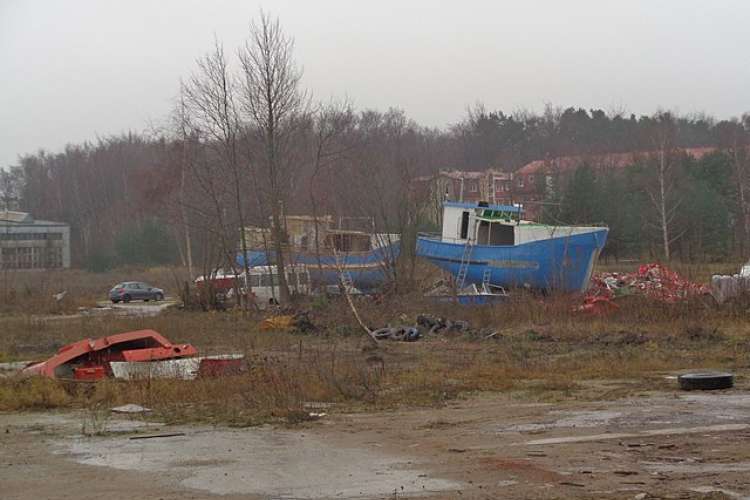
x: 135, y: 290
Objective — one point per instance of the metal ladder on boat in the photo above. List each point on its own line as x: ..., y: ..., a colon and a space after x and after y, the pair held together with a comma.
x: 346, y: 280
x: 486, y: 277
x: 463, y: 268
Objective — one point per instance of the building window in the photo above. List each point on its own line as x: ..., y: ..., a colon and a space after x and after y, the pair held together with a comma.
x: 520, y: 181
x: 531, y: 179
x: 473, y: 187
x: 9, y: 236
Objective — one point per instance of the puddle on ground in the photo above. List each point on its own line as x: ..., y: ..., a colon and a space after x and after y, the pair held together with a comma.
x: 269, y: 463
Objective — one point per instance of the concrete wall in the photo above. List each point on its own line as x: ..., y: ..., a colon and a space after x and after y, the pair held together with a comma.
x: 37, y: 228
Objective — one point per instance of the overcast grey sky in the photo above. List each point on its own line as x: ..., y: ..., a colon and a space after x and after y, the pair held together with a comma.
x: 72, y: 70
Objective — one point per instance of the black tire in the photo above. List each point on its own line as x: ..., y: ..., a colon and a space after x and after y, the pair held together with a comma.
x: 382, y: 333
x: 114, y: 301
x: 159, y: 297
x: 709, y: 381
x: 126, y: 298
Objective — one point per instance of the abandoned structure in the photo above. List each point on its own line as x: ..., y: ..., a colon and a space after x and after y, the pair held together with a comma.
x: 26, y: 243
x: 493, y: 186
x: 334, y: 249
x: 325, y: 232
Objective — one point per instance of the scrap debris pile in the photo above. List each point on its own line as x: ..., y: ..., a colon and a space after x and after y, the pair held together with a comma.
x: 298, y: 322
x: 406, y: 331
x: 426, y: 325
x: 651, y: 280
x: 132, y: 355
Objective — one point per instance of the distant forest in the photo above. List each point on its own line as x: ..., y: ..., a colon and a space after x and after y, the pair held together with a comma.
x: 230, y: 158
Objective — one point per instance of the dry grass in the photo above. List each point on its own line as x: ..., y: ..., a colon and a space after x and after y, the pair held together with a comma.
x: 542, y: 350
x: 32, y: 291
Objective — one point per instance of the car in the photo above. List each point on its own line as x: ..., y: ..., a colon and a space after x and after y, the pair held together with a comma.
x: 135, y: 290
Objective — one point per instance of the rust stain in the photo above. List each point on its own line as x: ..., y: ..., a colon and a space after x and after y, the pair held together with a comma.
x: 523, y: 467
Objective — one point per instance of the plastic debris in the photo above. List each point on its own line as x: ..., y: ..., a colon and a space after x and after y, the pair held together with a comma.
x: 277, y: 324
x: 130, y: 408
x: 300, y: 322
x: 725, y: 288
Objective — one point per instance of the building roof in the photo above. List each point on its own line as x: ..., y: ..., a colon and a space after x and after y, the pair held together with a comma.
x: 612, y: 160
x: 465, y: 175
x: 13, y: 218
x: 461, y: 174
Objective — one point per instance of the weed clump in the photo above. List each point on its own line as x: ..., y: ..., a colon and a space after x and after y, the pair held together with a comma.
x: 34, y: 393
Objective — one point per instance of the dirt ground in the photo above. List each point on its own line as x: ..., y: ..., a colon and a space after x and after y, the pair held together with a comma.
x: 651, y: 445
x: 535, y: 401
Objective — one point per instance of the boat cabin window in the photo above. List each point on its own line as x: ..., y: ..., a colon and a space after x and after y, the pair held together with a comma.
x: 266, y: 279
x: 464, y: 226
x: 349, y: 242
x: 293, y: 279
x: 495, y: 234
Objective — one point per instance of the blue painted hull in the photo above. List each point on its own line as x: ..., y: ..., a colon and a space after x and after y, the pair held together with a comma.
x: 470, y: 300
x: 563, y: 263
x: 368, y: 270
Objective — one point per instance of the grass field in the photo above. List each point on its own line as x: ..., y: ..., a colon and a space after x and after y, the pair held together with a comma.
x: 539, y: 349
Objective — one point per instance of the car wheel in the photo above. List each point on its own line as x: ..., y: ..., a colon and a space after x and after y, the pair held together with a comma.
x: 159, y: 296
x: 126, y: 298
x: 115, y: 301
x: 145, y: 300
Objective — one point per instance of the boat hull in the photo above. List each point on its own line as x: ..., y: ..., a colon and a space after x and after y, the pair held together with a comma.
x: 564, y: 263
x: 368, y: 270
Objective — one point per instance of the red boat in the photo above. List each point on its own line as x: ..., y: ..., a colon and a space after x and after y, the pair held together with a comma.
x: 89, y: 359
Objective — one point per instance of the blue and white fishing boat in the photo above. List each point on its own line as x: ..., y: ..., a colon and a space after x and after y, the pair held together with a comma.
x: 362, y: 260
x: 486, y: 244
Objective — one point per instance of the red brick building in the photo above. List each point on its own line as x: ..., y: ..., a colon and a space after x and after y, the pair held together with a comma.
x: 533, y: 182
x: 531, y: 185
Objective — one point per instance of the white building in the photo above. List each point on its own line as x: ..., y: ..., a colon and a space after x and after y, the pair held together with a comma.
x: 26, y: 243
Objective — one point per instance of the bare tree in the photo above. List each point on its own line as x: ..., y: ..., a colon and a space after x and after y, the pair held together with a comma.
x: 274, y: 106
x: 10, y: 188
x: 181, y: 123
x: 210, y: 104
x: 733, y: 138
x: 663, y: 195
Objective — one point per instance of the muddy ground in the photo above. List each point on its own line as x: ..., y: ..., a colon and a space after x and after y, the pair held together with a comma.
x: 651, y: 445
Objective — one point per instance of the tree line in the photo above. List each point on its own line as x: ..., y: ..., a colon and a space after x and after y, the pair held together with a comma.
x: 247, y: 144
x: 666, y: 202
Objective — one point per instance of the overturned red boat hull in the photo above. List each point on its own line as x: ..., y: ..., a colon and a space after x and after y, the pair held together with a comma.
x: 89, y: 359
